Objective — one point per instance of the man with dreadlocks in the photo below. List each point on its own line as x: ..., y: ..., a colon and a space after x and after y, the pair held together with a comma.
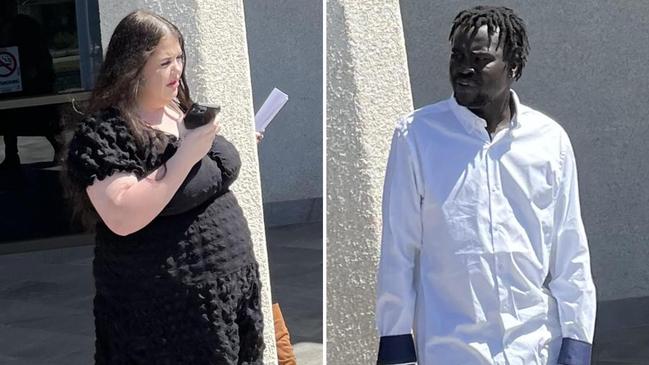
x: 484, y: 256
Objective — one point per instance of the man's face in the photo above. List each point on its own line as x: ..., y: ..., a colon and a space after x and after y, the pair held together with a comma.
x: 478, y: 73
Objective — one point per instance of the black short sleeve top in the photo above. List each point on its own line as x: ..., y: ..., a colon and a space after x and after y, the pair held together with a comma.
x: 103, y: 144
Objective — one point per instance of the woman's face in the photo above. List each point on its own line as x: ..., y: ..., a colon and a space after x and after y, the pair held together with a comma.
x: 161, y: 74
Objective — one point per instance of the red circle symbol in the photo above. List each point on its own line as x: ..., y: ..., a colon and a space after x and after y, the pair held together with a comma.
x: 7, y: 64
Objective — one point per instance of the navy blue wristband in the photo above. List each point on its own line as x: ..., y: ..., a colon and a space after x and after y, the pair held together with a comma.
x: 575, y: 352
x: 397, y: 349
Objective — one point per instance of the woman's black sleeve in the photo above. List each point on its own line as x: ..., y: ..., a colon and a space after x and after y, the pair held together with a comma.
x: 99, y: 148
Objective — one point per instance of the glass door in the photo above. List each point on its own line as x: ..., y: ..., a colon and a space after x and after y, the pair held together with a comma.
x: 50, y: 51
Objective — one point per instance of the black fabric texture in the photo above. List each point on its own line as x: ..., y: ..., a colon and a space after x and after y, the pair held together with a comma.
x: 103, y: 145
x: 185, y: 288
x: 212, y: 175
x: 216, y: 323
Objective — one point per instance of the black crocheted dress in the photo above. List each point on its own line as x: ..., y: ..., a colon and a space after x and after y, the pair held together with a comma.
x: 185, y: 288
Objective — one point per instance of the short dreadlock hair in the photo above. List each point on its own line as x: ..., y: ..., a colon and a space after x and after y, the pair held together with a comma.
x: 512, y: 31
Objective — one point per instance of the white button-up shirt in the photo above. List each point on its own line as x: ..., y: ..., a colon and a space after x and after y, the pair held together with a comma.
x: 484, y: 254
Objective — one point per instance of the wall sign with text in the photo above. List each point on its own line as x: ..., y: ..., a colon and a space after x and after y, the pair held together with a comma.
x: 10, y: 70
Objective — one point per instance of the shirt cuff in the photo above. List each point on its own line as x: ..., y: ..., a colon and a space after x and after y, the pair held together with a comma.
x: 575, y: 352
x: 399, y: 349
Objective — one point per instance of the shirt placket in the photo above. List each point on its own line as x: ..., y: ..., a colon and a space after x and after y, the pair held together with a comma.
x: 494, y: 192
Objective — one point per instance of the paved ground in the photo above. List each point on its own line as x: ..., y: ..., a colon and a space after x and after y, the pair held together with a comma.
x: 46, y: 299
x: 295, y: 254
x: 622, y: 332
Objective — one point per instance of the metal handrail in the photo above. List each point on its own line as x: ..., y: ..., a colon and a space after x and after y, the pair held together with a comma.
x: 44, y: 100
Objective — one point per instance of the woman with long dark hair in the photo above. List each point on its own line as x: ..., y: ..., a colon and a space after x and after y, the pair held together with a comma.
x: 175, y: 275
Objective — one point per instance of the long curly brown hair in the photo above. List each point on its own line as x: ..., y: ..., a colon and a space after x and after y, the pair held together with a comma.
x: 132, y: 43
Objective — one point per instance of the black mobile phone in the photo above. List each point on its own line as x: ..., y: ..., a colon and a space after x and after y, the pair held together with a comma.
x: 201, y: 114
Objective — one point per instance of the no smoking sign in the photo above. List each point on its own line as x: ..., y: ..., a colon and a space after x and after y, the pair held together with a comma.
x: 10, y: 70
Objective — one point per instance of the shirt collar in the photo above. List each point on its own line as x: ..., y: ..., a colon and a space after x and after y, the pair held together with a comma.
x: 472, y: 122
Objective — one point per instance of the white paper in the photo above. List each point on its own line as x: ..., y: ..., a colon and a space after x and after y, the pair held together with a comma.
x: 273, y: 104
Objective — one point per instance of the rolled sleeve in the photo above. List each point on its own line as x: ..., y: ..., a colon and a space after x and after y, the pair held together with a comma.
x: 401, y: 241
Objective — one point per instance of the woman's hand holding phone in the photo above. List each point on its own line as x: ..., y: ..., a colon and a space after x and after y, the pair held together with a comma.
x: 197, y: 141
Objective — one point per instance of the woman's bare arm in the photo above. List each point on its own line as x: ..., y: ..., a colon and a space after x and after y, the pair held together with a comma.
x: 127, y: 205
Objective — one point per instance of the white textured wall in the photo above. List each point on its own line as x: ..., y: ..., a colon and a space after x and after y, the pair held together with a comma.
x: 217, y: 69
x: 285, y: 46
x: 367, y: 90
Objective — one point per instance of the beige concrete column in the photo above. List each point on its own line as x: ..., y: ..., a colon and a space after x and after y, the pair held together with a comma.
x: 367, y: 90
x: 217, y: 70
